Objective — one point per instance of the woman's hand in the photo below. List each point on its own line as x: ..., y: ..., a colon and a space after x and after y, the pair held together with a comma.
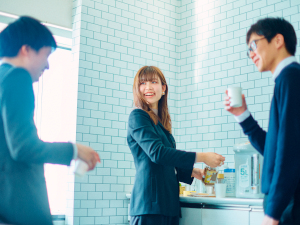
x: 198, y: 173
x: 210, y: 158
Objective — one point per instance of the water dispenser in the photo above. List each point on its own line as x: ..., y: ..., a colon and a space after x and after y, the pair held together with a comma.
x: 248, y: 168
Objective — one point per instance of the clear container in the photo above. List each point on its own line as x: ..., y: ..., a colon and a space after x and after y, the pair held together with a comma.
x: 229, y: 179
x: 210, y: 175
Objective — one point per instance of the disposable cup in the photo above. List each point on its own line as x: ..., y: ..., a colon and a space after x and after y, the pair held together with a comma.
x: 235, y: 94
x: 209, y: 189
x: 220, y: 190
x: 81, y: 168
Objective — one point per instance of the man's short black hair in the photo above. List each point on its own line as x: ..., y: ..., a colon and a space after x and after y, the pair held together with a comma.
x: 270, y: 27
x: 25, y: 31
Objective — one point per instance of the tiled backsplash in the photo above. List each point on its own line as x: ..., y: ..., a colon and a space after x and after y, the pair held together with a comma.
x: 212, y: 50
x: 200, y: 47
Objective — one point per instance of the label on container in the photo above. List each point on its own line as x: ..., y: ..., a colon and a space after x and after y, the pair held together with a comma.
x: 210, y: 176
x: 244, y: 175
x: 230, y: 181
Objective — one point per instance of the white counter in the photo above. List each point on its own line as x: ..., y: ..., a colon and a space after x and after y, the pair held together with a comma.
x: 229, y: 211
x: 223, y: 201
x: 220, y: 201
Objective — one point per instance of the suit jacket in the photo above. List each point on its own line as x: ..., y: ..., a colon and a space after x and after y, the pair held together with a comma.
x: 23, y: 194
x: 156, y: 188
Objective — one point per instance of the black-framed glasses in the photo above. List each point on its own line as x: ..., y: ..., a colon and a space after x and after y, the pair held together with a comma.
x: 253, y: 46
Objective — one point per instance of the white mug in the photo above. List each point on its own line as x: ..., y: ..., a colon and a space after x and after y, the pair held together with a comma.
x: 235, y: 94
x: 81, y: 167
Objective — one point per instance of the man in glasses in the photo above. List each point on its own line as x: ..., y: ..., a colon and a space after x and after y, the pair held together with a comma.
x: 272, y: 45
x: 25, y: 46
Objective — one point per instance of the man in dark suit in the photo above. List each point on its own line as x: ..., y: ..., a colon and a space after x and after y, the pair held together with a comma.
x: 24, y: 49
x: 272, y: 46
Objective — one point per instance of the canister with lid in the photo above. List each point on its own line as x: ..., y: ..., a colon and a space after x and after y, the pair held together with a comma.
x: 210, y: 176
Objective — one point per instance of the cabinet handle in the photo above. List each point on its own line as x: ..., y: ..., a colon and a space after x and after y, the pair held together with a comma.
x: 257, y: 210
x: 227, y: 207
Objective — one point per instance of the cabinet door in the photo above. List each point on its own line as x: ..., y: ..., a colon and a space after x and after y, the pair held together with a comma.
x: 256, y: 217
x: 190, y: 216
x: 224, y: 217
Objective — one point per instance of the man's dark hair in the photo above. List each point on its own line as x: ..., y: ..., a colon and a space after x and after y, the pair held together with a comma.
x: 25, y: 31
x: 270, y: 27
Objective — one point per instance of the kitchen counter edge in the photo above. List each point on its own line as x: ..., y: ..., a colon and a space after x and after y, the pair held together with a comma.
x: 219, y: 201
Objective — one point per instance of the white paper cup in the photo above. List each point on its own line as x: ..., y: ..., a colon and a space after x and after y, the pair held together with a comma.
x: 209, y: 189
x: 81, y: 168
x: 235, y: 94
x: 220, y: 190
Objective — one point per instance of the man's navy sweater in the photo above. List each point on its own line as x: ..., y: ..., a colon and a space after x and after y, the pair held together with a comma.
x: 280, y: 146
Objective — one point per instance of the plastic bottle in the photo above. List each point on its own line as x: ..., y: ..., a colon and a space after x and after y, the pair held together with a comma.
x: 229, y: 178
x: 220, y: 178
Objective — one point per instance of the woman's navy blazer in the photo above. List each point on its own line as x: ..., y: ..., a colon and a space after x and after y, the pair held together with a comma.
x: 156, y: 188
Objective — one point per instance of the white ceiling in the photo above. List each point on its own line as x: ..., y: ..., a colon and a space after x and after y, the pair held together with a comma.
x: 56, y: 12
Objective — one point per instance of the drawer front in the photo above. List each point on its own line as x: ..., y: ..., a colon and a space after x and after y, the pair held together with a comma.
x: 225, y: 217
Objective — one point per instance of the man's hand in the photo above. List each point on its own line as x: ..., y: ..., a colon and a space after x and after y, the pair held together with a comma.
x: 198, y: 173
x: 269, y: 221
x: 210, y: 158
x: 88, y: 155
x: 237, y: 110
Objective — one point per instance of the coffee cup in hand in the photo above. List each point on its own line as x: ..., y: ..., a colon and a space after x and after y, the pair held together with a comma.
x: 235, y: 94
x: 81, y: 168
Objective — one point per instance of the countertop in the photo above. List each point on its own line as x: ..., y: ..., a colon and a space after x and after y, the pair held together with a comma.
x: 243, y: 202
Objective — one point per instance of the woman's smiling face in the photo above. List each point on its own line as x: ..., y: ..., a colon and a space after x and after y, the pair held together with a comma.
x: 152, y: 91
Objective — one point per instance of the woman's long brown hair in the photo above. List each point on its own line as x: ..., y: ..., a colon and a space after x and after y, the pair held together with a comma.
x: 150, y: 73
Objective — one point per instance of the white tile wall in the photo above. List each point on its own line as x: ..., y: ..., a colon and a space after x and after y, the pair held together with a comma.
x: 114, y: 39
x: 212, y: 53
x: 200, y: 47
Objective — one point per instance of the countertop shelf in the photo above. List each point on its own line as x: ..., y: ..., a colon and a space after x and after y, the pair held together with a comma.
x: 223, y: 201
x: 220, y: 201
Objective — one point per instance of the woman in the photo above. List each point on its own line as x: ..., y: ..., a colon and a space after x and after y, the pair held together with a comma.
x: 159, y: 166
